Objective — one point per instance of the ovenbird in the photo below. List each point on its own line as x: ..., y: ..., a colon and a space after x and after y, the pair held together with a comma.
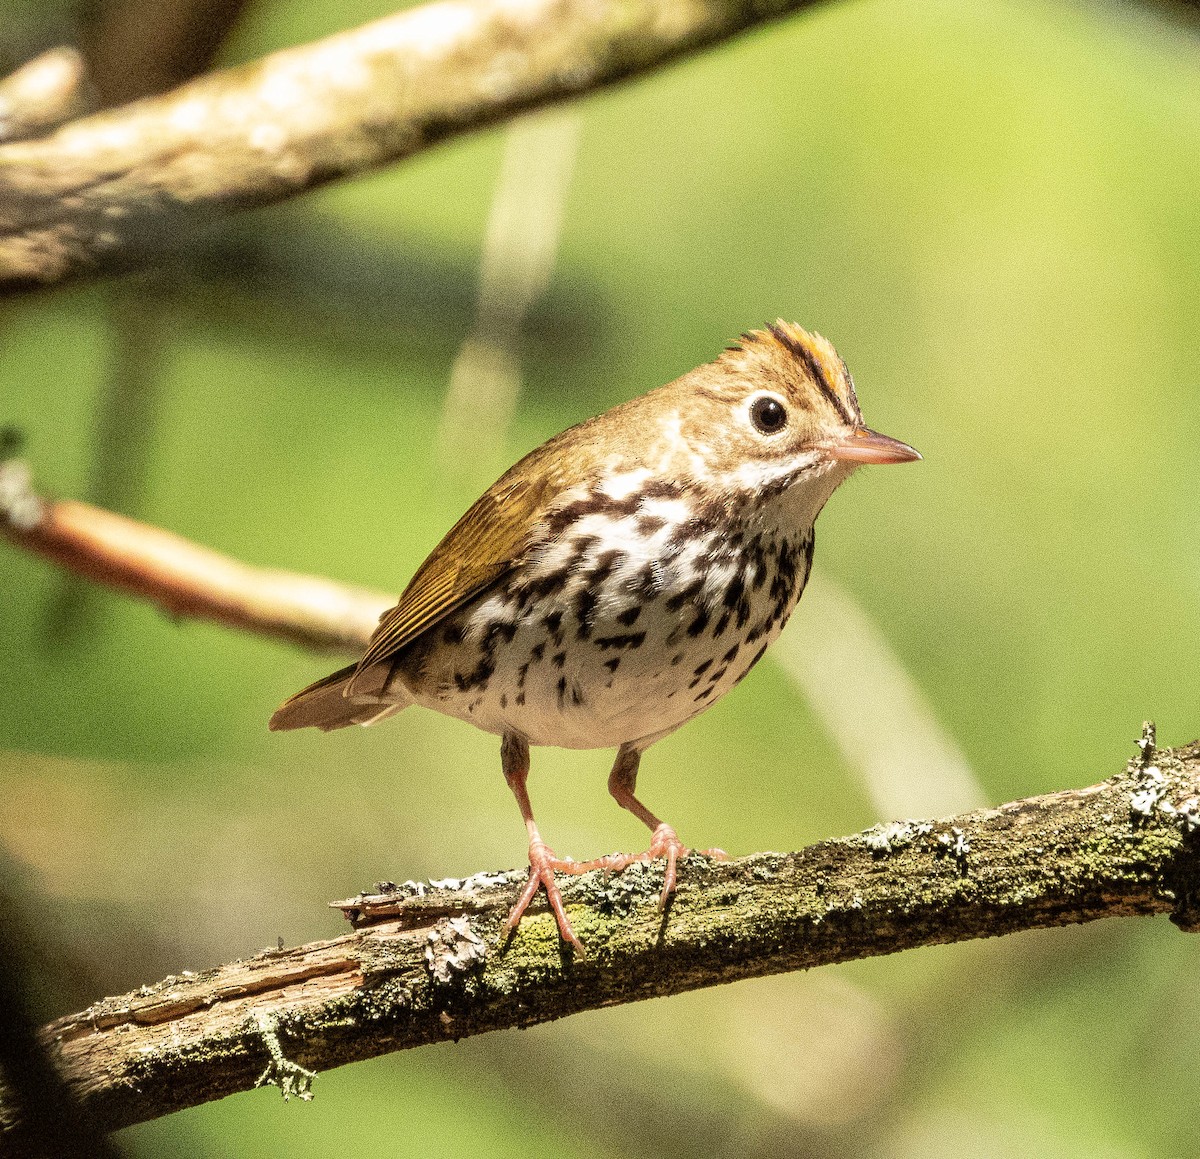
x: 622, y: 577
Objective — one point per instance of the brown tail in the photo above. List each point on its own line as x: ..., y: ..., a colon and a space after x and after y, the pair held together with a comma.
x: 326, y: 706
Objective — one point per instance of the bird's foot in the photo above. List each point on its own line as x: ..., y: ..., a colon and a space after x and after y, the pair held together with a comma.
x: 664, y: 842
x: 542, y: 866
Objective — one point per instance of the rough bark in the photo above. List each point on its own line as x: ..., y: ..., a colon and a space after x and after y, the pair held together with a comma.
x: 425, y: 963
x: 108, y: 191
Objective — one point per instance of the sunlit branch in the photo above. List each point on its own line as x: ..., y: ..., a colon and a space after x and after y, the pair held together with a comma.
x: 41, y: 95
x: 425, y: 965
x: 102, y: 193
x: 181, y: 577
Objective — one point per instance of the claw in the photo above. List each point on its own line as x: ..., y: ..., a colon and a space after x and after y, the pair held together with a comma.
x: 666, y: 843
x: 663, y: 843
x: 542, y: 864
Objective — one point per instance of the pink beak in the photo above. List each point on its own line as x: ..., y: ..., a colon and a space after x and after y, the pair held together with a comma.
x: 867, y: 446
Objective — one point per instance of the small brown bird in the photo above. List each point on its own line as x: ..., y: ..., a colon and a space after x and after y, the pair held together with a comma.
x: 621, y: 578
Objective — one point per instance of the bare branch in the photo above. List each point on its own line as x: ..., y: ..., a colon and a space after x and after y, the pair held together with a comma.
x: 102, y: 193
x: 42, y: 94
x: 183, y: 578
x: 425, y: 965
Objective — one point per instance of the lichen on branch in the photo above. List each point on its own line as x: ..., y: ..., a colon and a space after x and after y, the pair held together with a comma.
x: 426, y: 962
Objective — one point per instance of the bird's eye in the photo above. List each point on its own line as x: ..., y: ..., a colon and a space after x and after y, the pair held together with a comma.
x: 768, y: 414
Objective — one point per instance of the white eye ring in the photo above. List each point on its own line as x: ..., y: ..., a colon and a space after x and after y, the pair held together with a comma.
x: 768, y: 413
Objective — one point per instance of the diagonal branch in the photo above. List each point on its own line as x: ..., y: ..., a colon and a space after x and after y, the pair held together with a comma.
x: 424, y: 964
x: 105, y: 192
x: 181, y: 577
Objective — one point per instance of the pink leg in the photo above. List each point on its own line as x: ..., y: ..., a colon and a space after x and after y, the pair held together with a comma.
x: 514, y: 753
x: 664, y: 841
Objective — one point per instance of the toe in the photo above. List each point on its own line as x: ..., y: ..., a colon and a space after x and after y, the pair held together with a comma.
x: 542, y: 864
x: 669, y: 876
x: 554, y: 896
x: 522, y: 903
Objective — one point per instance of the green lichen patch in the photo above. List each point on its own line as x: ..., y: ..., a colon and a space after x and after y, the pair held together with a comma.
x: 291, y: 1078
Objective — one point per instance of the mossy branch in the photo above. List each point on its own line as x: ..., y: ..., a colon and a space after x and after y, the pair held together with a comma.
x: 425, y: 963
x: 109, y: 191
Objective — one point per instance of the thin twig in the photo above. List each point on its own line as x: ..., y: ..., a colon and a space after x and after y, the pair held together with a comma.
x: 426, y: 965
x: 102, y: 193
x: 181, y: 577
x: 519, y: 251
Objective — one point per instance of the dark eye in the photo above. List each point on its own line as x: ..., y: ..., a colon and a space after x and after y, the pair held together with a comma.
x: 768, y: 414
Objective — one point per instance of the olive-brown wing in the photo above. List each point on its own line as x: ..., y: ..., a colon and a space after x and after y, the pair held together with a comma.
x: 480, y: 548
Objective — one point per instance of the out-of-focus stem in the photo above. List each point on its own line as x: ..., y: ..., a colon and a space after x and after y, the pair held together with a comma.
x: 183, y: 578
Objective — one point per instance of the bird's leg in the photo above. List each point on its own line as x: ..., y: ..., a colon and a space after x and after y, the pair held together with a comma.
x: 514, y: 754
x: 664, y: 841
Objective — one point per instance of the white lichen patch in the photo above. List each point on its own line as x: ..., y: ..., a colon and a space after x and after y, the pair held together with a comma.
x: 472, y: 884
x: 1150, y: 793
x: 893, y: 835
x: 479, y: 881
x: 955, y: 843
x: 1186, y: 813
x: 453, y: 947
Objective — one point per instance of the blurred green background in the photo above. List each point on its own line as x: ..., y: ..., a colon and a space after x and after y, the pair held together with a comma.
x: 992, y: 210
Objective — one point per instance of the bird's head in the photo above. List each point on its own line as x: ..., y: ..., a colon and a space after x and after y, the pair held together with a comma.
x: 775, y: 411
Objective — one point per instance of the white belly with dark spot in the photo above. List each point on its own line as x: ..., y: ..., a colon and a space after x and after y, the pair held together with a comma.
x: 619, y: 630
